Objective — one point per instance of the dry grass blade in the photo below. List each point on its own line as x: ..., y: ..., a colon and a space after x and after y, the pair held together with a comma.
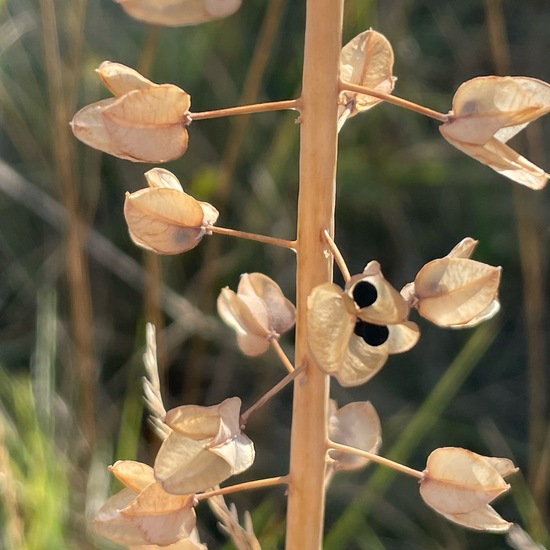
x: 13, y: 526
x: 517, y: 538
x: 151, y: 385
x: 243, y: 537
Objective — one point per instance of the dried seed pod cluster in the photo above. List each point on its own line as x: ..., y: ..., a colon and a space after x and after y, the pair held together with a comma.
x: 355, y: 425
x: 206, y: 447
x: 157, y: 507
x: 351, y: 332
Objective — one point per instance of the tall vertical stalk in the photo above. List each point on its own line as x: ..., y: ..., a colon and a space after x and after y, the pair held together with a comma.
x: 316, y: 202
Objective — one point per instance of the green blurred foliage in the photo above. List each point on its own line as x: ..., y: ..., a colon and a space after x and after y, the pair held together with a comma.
x: 405, y: 197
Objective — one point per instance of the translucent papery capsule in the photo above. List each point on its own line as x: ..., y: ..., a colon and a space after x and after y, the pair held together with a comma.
x: 490, y: 110
x: 143, y: 513
x: 179, y: 13
x: 165, y: 219
x: 457, y: 291
x: 205, y: 447
x: 355, y: 425
x: 343, y: 344
x: 459, y: 484
x: 144, y: 122
x: 375, y: 298
x: 258, y: 312
x: 366, y: 60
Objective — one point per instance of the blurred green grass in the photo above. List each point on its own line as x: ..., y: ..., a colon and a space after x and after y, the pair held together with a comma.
x: 404, y: 198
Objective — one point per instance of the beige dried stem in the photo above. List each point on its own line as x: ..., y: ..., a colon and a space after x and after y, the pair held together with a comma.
x: 316, y: 201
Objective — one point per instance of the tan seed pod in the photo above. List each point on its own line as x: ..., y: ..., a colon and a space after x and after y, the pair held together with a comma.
x: 487, y: 112
x: 179, y: 13
x: 459, y: 484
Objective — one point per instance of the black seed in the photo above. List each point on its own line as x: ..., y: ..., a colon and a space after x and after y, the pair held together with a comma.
x: 374, y: 335
x: 364, y: 294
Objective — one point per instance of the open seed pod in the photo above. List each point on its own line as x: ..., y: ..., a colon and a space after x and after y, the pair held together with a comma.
x: 351, y: 333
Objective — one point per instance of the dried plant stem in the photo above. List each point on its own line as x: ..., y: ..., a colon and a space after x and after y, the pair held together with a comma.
x: 338, y: 258
x: 62, y: 94
x: 284, y: 243
x: 272, y: 392
x: 282, y: 355
x: 533, y: 261
x: 400, y: 102
x: 246, y: 486
x: 316, y: 202
x: 285, y: 105
x: 152, y: 302
x: 375, y: 458
x: 153, y: 262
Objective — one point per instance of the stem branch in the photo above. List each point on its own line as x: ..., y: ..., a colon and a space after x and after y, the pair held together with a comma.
x: 270, y: 393
x: 400, y: 102
x: 282, y: 355
x: 283, y: 243
x: 288, y: 104
x: 257, y: 484
x: 375, y: 458
x: 338, y: 258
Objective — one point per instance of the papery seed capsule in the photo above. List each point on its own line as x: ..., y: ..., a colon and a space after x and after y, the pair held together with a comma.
x: 364, y: 294
x: 374, y: 335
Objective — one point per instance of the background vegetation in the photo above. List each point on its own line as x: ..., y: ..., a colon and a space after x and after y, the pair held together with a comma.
x: 75, y: 293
